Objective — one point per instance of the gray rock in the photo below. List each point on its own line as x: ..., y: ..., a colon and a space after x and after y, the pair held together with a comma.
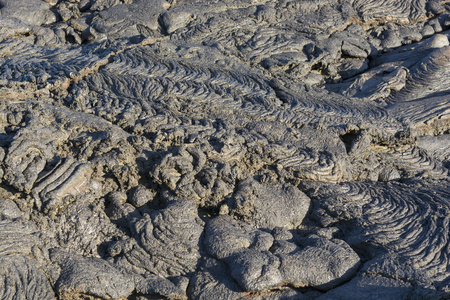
x: 281, y: 233
x: 286, y: 294
x: 435, y: 145
x: 371, y: 287
x: 31, y: 12
x: 117, y: 210
x: 79, y: 218
x: 254, y: 270
x: 129, y: 19
x: 12, y: 26
x: 404, y: 10
x: 158, y: 286
x: 69, y: 178
x: 378, y: 83
x: 351, y: 67
x: 175, y: 19
x: 9, y: 210
x: 225, y: 236
x: 27, y: 156
x: 18, y: 236
x: 68, y: 10
x: 388, y: 173
x: 212, y: 281
x: 353, y: 45
x: 392, y: 194
x: 176, y: 227
x: 127, y: 125
x: 427, y: 31
x: 90, y: 276
x: 140, y: 196
x: 436, y: 25
x: 434, y: 7
x: 323, y: 264
x: 269, y: 206
x: 21, y: 279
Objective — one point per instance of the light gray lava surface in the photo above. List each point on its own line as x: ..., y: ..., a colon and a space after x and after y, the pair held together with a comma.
x: 234, y: 149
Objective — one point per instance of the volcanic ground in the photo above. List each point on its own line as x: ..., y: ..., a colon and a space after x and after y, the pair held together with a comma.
x: 235, y: 149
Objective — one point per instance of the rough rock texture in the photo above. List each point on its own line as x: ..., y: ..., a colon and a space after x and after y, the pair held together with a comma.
x: 91, y: 276
x: 20, y: 278
x: 320, y: 263
x: 224, y: 149
x: 259, y: 260
x: 269, y: 206
x: 31, y: 12
x: 176, y: 227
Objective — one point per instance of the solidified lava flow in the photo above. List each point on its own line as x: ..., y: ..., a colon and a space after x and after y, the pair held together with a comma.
x: 233, y: 149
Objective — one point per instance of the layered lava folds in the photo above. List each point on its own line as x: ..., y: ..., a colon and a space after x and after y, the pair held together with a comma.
x: 224, y: 149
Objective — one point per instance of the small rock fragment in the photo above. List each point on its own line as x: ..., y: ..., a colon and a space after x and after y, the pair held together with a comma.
x: 140, y: 196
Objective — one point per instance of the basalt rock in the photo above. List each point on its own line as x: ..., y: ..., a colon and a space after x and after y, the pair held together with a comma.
x: 258, y: 262
x: 22, y: 279
x: 224, y: 149
x: 287, y: 205
x: 34, y: 12
x: 176, y: 227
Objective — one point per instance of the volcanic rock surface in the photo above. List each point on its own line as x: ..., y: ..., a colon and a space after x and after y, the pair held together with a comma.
x: 237, y: 149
